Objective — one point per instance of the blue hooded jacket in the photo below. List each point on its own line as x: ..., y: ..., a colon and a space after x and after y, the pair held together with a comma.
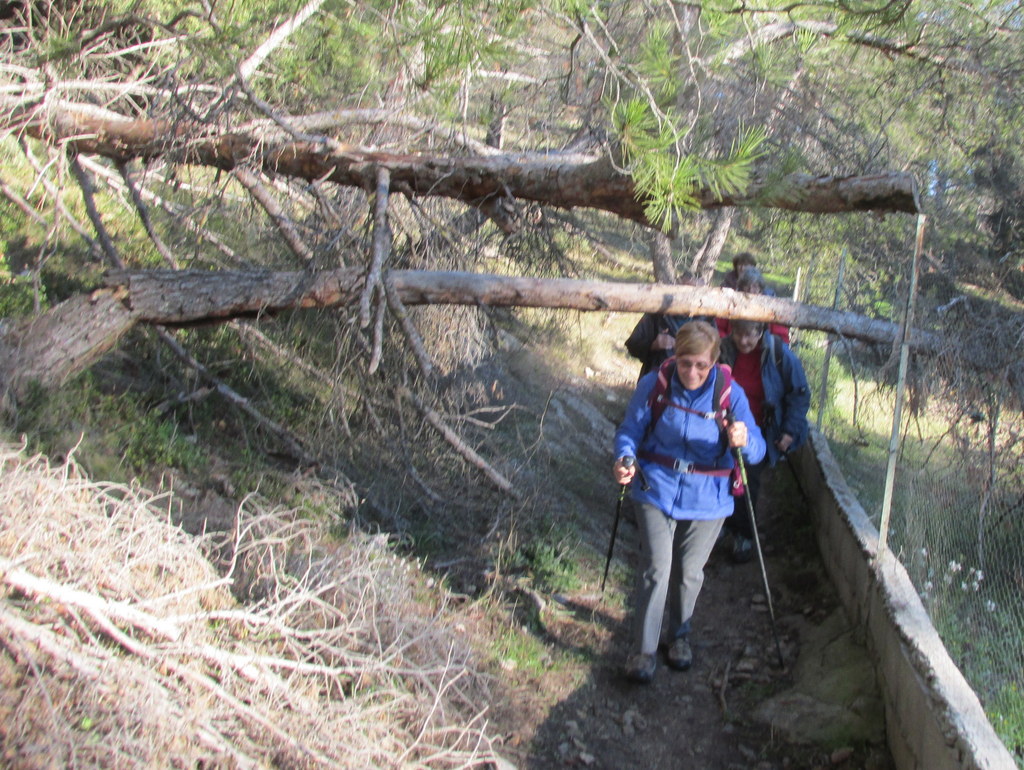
x: 692, y: 438
x: 787, y: 396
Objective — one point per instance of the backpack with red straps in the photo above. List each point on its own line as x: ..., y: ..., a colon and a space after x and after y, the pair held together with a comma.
x: 720, y: 403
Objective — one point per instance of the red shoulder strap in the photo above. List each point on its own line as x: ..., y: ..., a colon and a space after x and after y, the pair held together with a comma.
x: 660, y: 394
x: 723, y: 393
x: 723, y: 388
x: 720, y: 402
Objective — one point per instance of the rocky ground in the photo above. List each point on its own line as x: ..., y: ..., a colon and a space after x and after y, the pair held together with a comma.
x: 736, y: 708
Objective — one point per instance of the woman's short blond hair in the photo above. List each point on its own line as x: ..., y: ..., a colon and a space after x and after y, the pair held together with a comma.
x: 696, y: 337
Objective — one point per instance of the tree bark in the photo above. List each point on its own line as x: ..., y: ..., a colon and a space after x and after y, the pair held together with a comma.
x: 65, y: 340
x: 703, y: 265
x: 561, y: 180
x: 71, y: 336
x: 661, y: 257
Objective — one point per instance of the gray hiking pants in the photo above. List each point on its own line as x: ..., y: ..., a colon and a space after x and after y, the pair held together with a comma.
x: 672, y: 558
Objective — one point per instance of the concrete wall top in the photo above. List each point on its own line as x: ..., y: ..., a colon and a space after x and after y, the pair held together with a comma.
x: 905, y: 645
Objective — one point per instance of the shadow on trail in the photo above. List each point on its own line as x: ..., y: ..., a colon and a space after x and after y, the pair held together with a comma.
x: 588, y: 609
x: 718, y: 714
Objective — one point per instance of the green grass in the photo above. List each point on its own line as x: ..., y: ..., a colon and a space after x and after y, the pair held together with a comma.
x: 978, y: 640
x: 520, y: 650
x: 550, y: 563
x: 1006, y: 712
x: 18, y: 294
x: 115, y: 436
x: 961, y: 564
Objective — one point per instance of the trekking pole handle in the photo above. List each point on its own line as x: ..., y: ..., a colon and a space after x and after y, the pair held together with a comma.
x: 730, y: 418
x: 629, y: 462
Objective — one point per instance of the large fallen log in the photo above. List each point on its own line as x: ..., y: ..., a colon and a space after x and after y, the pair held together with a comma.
x: 492, y: 183
x: 69, y: 337
x: 173, y: 297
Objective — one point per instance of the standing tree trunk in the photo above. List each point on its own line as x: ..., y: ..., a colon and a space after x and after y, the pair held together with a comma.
x: 661, y: 257
x: 703, y: 265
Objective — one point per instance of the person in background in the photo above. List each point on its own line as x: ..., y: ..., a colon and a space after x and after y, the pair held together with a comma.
x: 654, y: 336
x: 751, y: 281
x: 740, y: 262
x: 774, y: 382
x: 684, y: 459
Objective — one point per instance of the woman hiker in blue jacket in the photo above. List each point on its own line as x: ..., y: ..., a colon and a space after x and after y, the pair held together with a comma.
x: 684, y: 491
x: 776, y: 387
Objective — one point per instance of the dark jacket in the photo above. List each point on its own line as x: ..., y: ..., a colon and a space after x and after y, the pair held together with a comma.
x: 648, y: 327
x: 787, y: 397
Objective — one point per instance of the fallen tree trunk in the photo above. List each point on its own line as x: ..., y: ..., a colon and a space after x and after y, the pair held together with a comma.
x: 492, y: 183
x: 174, y: 297
x: 69, y: 337
x: 63, y: 341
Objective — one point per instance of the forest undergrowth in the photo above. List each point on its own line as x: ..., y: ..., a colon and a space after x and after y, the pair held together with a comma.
x: 129, y: 643
x: 430, y: 630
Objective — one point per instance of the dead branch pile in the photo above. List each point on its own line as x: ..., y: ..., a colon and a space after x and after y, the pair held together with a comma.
x: 124, y: 647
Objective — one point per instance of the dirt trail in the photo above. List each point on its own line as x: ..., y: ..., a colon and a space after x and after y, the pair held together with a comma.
x: 822, y: 710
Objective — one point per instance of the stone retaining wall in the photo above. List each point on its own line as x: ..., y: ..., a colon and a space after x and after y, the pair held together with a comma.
x: 933, y: 718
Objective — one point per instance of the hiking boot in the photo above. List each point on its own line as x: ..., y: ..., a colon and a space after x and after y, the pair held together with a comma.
x: 640, y: 667
x: 679, y: 655
x: 742, y: 549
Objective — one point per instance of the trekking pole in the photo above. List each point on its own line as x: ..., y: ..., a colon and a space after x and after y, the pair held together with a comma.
x: 757, y: 548
x: 627, y: 462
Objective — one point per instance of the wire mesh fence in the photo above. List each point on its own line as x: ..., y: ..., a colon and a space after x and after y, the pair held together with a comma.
x: 957, y: 497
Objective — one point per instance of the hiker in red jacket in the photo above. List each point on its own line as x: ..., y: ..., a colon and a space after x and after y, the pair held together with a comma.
x: 752, y: 282
x: 776, y: 387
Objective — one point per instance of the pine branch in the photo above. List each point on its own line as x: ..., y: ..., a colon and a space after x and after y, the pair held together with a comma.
x: 251, y: 182
x: 460, y: 446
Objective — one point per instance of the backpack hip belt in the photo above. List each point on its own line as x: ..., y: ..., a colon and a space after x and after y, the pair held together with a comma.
x: 679, y: 466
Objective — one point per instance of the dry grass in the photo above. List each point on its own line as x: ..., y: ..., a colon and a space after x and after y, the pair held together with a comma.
x: 124, y: 647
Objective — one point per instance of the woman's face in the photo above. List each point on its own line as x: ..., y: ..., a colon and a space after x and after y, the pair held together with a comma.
x: 693, y: 369
x: 746, y: 340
